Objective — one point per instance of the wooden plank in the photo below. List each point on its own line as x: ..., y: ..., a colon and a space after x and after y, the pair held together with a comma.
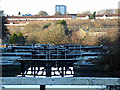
x: 59, y: 81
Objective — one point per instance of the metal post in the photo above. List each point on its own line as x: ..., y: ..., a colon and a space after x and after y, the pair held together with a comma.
x: 113, y: 87
x: 65, y: 67
x: 62, y: 69
x: 57, y: 52
x: 34, y: 68
x: 48, y: 65
x: 22, y: 68
x: 65, y: 54
x: 42, y: 87
x: 12, y: 49
x: 31, y: 67
x: 48, y: 69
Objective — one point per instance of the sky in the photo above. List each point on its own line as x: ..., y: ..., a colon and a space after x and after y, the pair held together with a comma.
x: 12, y: 7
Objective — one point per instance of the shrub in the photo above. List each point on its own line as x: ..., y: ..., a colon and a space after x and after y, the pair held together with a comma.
x: 46, y: 26
x: 93, y: 16
x: 17, y: 39
x: 13, y: 39
x: 64, y: 24
x: 53, y: 34
x: 21, y: 39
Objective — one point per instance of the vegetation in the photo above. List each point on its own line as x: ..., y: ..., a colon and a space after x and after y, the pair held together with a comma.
x: 19, y: 13
x: 48, y: 33
x: 42, y: 13
x: 84, y: 13
x: 46, y: 26
x: 21, y: 39
x: 57, y: 13
x: 13, y: 38
x: 93, y: 16
x: 17, y: 39
x: 64, y: 24
x: 36, y: 31
x: 111, y: 60
x: 4, y: 28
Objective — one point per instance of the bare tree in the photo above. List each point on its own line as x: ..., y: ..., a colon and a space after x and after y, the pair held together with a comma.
x: 101, y: 12
x: 106, y: 11
x: 86, y: 12
x: 42, y: 13
x: 117, y: 11
x: 57, y: 13
x: 109, y: 11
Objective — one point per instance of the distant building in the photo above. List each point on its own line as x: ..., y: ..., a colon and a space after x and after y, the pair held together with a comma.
x: 61, y: 9
x: 26, y: 15
x: 24, y: 20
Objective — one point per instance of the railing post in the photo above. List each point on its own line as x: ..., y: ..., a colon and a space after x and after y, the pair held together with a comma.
x: 22, y: 68
x: 1, y: 87
x: 62, y: 69
x: 113, y: 87
x: 42, y: 87
x: 12, y: 49
x: 48, y: 65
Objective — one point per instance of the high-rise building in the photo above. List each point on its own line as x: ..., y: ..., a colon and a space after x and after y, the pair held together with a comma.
x: 61, y: 9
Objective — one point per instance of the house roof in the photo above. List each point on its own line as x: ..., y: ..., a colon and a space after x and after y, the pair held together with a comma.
x: 56, y: 16
x: 100, y: 15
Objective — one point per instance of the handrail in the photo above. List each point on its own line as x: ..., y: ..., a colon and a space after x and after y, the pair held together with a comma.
x: 59, y: 81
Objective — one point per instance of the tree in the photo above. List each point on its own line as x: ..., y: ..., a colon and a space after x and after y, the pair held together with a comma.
x: 54, y: 34
x: 13, y: 38
x: 117, y: 11
x: 42, y: 13
x: 86, y: 13
x: 101, y: 12
x: 19, y: 13
x: 4, y: 28
x: 83, y: 13
x: 21, y: 39
x: 109, y: 12
x: 57, y: 13
x: 93, y: 16
x: 106, y: 11
x: 64, y: 24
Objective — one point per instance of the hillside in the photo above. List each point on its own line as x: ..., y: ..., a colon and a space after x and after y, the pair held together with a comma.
x: 51, y: 32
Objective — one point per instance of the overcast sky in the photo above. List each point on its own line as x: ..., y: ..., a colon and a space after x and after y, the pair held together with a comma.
x: 12, y: 7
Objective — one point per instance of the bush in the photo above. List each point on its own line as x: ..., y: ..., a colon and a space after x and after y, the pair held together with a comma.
x: 17, y: 39
x: 13, y: 39
x: 54, y: 34
x: 21, y: 39
x: 46, y: 26
x: 64, y: 24
x: 93, y: 16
